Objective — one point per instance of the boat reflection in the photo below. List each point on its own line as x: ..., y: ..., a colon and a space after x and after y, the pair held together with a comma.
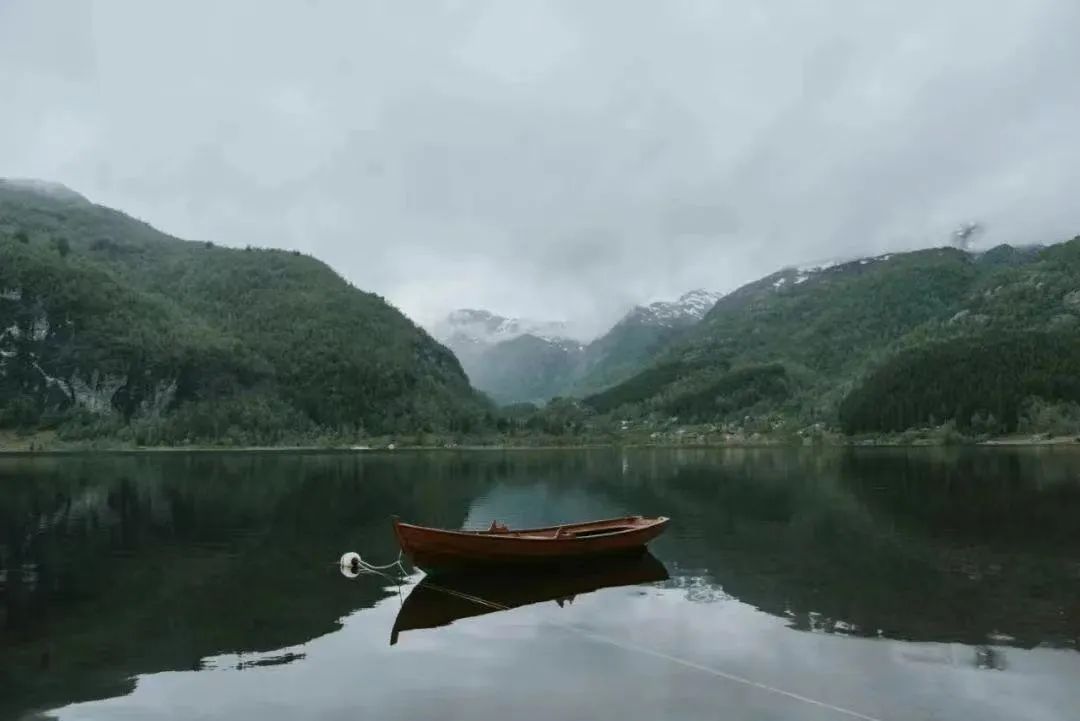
x: 440, y: 600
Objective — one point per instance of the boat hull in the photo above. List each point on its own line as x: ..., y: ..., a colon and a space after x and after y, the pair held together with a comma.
x: 436, y: 549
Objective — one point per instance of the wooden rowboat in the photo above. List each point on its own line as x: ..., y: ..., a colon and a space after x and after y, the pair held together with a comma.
x: 443, y: 599
x: 437, y: 549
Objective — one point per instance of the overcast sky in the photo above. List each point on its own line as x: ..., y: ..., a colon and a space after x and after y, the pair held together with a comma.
x: 554, y: 159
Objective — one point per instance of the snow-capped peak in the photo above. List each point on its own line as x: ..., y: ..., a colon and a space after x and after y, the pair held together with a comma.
x: 483, y: 327
x: 697, y: 303
x: 688, y: 309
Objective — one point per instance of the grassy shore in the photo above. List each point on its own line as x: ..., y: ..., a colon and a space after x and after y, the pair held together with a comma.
x: 48, y: 442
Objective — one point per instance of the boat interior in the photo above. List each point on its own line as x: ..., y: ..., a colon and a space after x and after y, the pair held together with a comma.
x: 571, y: 530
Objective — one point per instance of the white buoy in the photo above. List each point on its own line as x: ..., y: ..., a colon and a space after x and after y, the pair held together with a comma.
x: 350, y: 564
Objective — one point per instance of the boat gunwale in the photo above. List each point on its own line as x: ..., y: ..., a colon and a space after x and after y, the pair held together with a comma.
x: 642, y: 524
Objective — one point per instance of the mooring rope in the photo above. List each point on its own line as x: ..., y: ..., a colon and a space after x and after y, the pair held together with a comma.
x: 352, y: 565
x: 617, y: 643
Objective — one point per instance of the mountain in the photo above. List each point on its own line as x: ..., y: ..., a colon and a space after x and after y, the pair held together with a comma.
x: 111, y: 327
x: 637, y: 338
x: 523, y: 360
x: 481, y: 327
x: 47, y: 188
x: 684, y: 312
x: 526, y: 369
x: 883, y: 343
x: 511, y: 359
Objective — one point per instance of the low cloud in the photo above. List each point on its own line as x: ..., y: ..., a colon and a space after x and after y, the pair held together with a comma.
x: 555, y: 159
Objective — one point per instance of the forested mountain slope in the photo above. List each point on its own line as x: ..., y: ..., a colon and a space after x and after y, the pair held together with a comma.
x: 876, y: 331
x: 108, y: 326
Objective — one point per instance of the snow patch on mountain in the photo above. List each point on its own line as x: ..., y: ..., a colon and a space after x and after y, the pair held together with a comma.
x: 818, y: 267
x: 688, y: 309
x: 481, y: 327
x: 797, y: 275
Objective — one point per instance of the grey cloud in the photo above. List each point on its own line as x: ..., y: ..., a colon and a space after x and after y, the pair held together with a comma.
x: 554, y: 158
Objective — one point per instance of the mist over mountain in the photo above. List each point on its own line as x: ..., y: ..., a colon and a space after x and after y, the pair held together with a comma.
x: 535, y: 161
x: 525, y: 360
x: 110, y: 328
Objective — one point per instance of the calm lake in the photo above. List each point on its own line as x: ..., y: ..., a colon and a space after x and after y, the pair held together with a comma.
x: 876, y: 584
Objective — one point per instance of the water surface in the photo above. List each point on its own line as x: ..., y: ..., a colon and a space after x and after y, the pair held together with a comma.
x: 883, y: 584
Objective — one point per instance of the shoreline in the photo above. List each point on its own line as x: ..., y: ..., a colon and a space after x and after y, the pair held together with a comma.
x: 75, y: 449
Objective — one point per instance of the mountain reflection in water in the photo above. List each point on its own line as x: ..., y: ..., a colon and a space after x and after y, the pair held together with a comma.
x: 116, y: 569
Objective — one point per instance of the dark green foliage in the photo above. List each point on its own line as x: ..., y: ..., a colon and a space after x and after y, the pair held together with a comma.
x: 831, y: 320
x: 20, y: 411
x: 981, y: 383
x: 559, y: 419
x: 833, y: 328
x: 823, y: 327
x: 623, y: 351
x: 93, y: 324
x: 1007, y: 255
x: 646, y: 384
x: 187, y: 341
x: 561, y: 416
x: 245, y: 419
x: 340, y: 356
x: 731, y: 393
x: 515, y: 416
x: 1055, y: 418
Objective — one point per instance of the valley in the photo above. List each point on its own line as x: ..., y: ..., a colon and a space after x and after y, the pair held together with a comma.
x: 526, y: 361
x: 115, y: 334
